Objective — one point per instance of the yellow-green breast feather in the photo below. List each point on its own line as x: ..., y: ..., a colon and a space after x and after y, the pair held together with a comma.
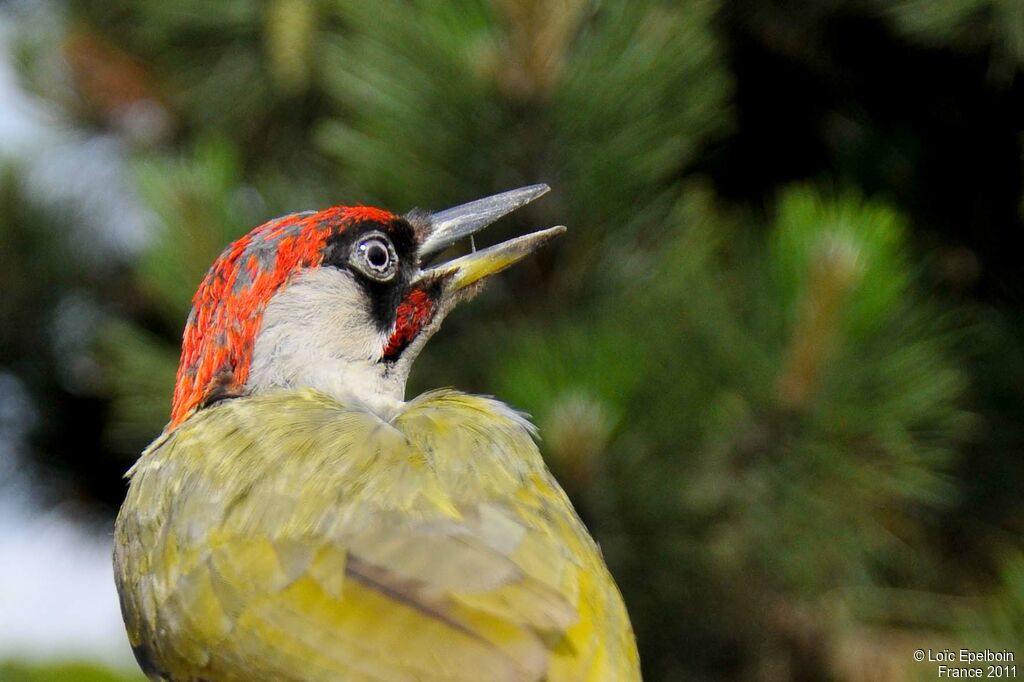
x: 288, y: 537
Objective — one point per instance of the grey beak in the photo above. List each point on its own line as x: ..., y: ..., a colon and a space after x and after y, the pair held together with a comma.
x: 454, y: 224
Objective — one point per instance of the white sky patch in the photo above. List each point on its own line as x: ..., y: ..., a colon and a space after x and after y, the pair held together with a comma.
x: 57, y: 595
x: 21, y: 119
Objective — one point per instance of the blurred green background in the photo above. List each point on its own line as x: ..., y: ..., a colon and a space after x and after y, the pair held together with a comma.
x: 777, y: 361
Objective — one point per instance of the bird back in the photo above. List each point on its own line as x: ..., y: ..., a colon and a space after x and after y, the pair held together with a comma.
x: 286, y: 536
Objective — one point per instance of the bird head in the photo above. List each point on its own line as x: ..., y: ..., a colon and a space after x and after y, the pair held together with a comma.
x: 340, y: 300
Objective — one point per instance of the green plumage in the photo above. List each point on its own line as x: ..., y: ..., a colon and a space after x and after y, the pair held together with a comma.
x: 288, y: 537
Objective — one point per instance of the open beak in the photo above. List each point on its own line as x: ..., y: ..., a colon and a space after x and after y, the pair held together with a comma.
x: 454, y: 224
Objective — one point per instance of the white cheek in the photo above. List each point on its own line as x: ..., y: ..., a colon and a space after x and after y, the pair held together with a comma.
x: 317, y: 332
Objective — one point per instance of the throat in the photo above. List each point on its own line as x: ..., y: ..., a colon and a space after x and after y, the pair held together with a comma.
x: 375, y: 386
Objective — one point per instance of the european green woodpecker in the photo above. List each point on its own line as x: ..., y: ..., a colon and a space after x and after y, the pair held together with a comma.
x: 298, y: 519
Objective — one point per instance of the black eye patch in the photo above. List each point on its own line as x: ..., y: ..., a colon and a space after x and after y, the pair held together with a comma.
x: 339, y: 247
x: 383, y: 296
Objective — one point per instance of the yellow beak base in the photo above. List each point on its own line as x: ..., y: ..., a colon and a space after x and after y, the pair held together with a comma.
x: 477, y: 266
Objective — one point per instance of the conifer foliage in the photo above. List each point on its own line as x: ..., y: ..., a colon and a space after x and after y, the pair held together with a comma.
x: 761, y: 395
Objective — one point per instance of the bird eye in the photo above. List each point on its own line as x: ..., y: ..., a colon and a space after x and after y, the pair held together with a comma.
x: 375, y: 257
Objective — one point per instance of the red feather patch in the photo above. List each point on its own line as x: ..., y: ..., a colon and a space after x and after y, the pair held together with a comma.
x: 413, y: 313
